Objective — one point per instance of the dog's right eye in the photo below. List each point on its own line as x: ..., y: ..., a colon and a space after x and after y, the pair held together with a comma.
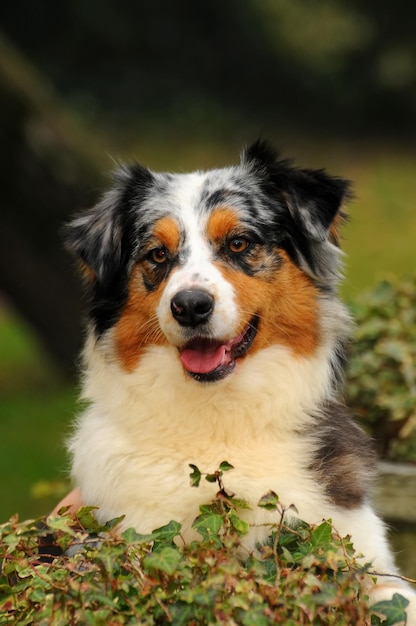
x: 238, y: 244
x: 158, y: 255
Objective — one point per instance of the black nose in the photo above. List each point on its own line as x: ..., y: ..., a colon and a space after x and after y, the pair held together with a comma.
x: 192, y: 307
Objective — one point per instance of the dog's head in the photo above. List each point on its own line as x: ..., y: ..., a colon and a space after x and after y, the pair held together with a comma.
x: 217, y: 264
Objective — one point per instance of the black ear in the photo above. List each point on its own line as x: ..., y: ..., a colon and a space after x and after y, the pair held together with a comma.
x: 307, y: 207
x: 315, y: 200
x: 101, y: 238
x: 313, y: 197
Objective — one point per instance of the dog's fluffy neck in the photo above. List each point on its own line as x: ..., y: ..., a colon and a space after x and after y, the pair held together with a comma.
x: 277, y: 388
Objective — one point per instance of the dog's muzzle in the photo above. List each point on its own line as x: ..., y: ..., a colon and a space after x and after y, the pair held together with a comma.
x: 204, y: 358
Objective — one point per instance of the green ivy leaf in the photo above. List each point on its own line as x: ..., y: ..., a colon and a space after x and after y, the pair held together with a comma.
x: 87, y: 519
x: 7, y: 599
x: 287, y: 555
x: 132, y: 536
x: 321, y: 535
x: 165, y: 560
x: 37, y: 595
x: 239, y: 503
x: 183, y: 613
x: 255, y: 618
x: 241, y: 526
x: 164, y: 534
x: 112, y: 523
x: 168, y: 532
x: 269, y: 501
x: 212, y: 478
x: 226, y: 467
x: 270, y: 571
x: 208, y: 524
x: 394, y: 610
x: 195, y: 475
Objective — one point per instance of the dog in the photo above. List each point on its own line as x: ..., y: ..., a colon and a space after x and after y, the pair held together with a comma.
x: 215, y: 333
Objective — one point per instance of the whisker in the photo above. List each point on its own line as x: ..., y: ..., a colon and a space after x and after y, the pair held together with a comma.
x: 282, y: 330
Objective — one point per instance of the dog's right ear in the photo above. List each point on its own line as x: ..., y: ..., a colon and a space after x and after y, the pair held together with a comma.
x: 101, y: 238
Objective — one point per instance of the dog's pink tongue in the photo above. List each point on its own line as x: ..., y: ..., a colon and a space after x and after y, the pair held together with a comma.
x: 204, y: 357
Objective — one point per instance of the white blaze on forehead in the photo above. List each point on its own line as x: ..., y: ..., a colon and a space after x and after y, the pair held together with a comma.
x: 197, y: 270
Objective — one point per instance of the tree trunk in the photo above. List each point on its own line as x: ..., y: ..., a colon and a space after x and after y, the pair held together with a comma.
x: 48, y: 172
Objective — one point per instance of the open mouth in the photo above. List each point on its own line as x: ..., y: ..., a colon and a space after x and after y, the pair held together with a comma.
x: 210, y: 360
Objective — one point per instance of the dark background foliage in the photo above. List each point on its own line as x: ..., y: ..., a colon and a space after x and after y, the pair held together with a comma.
x: 329, y: 66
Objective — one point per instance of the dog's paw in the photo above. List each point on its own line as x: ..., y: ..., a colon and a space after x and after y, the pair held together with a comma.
x: 411, y: 610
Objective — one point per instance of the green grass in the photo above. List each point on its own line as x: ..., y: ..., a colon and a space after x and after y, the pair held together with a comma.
x: 36, y: 409
x: 33, y: 425
x: 380, y: 239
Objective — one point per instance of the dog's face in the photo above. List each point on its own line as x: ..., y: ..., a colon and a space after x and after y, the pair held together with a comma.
x: 217, y: 264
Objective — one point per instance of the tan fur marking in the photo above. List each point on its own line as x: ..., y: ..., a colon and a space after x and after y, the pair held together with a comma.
x: 166, y: 231
x: 287, y: 305
x: 222, y: 222
x: 138, y: 326
x: 334, y: 235
x: 87, y: 273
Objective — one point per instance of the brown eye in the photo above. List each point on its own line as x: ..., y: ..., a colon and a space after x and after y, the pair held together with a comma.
x: 158, y: 255
x: 238, y: 244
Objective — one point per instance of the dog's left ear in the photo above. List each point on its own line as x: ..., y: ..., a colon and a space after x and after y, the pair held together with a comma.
x: 315, y: 201
x: 313, y: 197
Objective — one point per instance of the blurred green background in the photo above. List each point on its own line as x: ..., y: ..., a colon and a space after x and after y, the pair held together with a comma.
x: 177, y: 85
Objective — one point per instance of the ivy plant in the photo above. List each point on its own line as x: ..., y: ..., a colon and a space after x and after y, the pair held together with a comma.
x: 381, y: 382
x: 71, y: 570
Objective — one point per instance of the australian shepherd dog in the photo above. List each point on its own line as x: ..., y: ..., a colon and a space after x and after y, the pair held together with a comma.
x: 215, y: 333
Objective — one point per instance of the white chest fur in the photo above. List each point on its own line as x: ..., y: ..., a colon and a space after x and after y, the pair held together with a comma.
x: 133, y: 446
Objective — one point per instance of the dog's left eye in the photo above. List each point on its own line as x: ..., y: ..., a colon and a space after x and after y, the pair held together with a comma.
x: 159, y: 255
x: 238, y: 244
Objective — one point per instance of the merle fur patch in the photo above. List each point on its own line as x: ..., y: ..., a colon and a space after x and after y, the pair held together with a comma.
x: 345, y: 460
